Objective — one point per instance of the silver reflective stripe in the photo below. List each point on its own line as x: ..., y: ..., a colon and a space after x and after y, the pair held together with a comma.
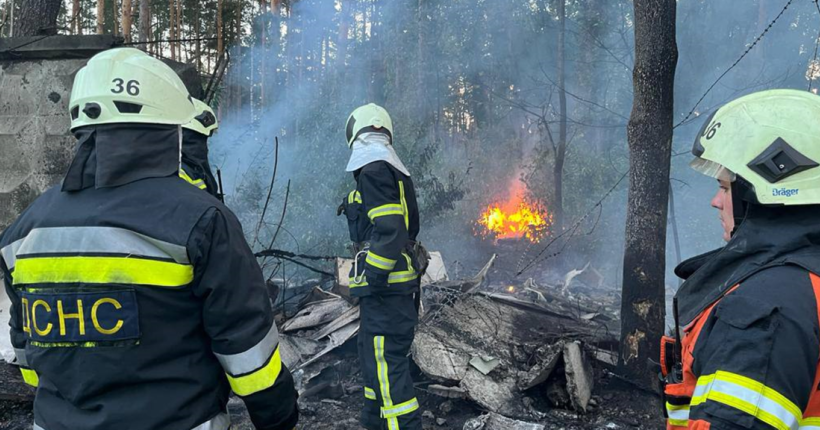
x: 98, y: 240
x: 681, y: 414
x: 252, y: 359
x: 20, y: 353
x: 809, y: 427
x: 219, y: 422
x: 9, y: 253
x: 756, y: 400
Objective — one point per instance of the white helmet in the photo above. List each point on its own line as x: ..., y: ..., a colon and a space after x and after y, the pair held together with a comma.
x: 204, y: 122
x: 126, y: 85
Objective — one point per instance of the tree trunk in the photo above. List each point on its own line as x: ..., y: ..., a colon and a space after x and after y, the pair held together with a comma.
x: 115, y: 10
x: 220, y: 43
x: 76, y: 17
x: 100, y: 17
x: 145, y: 23
x: 561, y: 152
x: 171, y: 30
x: 36, y: 17
x: 179, y: 29
x: 650, y: 146
x: 126, y: 20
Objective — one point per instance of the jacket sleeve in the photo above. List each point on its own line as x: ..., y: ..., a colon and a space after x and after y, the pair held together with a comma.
x: 382, y: 203
x: 18, y: 326
x: 756, y: 367
x: 239, y: 320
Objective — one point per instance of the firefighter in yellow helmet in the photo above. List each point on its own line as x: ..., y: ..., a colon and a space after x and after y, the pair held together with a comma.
x: 383, y: 221
x: 749, y: 345
x: 137, y: 303
x: 196, y: 168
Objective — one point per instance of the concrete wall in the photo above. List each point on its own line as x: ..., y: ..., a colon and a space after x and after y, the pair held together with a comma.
x: 36, y: 76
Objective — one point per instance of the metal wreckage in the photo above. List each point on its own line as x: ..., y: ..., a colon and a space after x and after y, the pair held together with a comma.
x: 488, y: 354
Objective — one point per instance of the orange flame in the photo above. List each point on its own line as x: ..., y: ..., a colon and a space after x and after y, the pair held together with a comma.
x: 516, y: 218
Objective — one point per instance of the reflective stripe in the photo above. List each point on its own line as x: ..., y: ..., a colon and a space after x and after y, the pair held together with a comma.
x: 9, y: 252
x: 199, y: 183
x: 259, y: 380
x: 102, y: 270
x: 219, y: 422
x: 810, y: 423
x: 92, y: 240
x: 679, y: 423
x: 377, y: 260
x: 385, y: 210
x: 384, y: 381
x: 30, y: 377
x: 20, y: 353
x: 677, y: 413
x: 404, y: 210
x: 369, y: 393
x: 252, y: 359
x: 401, y: 409
x: 749, y: 396
x: 354, y: 196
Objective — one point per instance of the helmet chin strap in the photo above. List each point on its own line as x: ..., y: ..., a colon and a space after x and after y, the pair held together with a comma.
x: 741, y: 192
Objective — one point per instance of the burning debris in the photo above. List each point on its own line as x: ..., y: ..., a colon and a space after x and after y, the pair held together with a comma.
x: 518, y: 217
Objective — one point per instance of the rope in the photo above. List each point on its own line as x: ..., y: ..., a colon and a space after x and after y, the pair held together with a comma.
x: 726, y: 72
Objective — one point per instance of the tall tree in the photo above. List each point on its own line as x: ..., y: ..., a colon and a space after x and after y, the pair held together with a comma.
x: 37, y: 17
x: 145, y: 23
x: 171, y: 29
x: 126, y: 20
x: 650, y: 146
x: 100, y: 16
x: 220, y: 31
x: 561, y: 148
x: 76, y: 15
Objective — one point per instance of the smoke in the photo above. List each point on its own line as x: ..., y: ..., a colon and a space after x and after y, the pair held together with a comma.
x: 472, y: 88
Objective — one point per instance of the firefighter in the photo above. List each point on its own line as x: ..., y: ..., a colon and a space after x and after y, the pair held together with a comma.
x: 137, y: 302
x: 196, y: 169
x: 383, y: 220
x: 746, y: 351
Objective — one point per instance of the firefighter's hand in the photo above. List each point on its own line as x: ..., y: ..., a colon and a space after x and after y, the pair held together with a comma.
x: 340, y: 210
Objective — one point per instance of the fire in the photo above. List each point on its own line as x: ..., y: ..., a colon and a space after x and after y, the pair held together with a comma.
x: 514, y: 219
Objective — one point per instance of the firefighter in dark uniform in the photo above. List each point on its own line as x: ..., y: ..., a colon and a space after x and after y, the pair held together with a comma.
x: 747, y: 345
x: 196, y: 169
x: 383, y: 219
x: 137, y: 303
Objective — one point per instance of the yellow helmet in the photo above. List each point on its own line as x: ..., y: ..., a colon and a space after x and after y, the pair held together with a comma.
x: 126, y: 85
x: 368, y: 118
x: 204, y: 122
x: 772, y: 140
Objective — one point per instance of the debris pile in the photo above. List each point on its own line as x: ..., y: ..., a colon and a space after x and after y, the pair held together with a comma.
x: 489, y: 355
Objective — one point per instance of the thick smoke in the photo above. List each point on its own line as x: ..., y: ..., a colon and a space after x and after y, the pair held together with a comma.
x: 472, y: 87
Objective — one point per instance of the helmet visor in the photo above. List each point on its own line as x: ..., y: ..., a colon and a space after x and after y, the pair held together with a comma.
x: 712, y: 169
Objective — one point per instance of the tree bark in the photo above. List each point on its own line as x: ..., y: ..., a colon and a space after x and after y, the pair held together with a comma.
x: 36, y: 17
x: 220, y: 32
x: 126, y: 20
x: 115, y: 10
x: 100, y: 17
x: 76, y: 17
x: 145, y: 23
x: 171, y: 30
x: 650, y: 146
x: 561, y: 150
x: 179, y: 29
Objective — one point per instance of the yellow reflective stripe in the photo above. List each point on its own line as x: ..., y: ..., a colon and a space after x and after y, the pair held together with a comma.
x: 377, y: 260
x: 102, y: 270
x: 30, y: 377
x: 384, y: 381
x: 678, y: 413
x: 354, y: 196
x: 369, y: 393
x: 810, y: 423
x: 401, y: 409
x: 671, y: 407
x: 679, y: 423
x: 404, y: 210
x: 749, y: 396
x: 199, y: 183
x: 258, y: 380
x: 385, y: 210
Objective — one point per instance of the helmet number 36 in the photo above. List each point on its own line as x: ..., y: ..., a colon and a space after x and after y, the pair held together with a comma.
x: 132, y: 87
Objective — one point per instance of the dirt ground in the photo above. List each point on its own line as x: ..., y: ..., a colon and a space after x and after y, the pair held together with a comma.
x: 618, y: 406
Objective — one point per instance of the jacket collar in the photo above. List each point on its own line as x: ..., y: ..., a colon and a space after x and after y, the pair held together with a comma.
x: 767, y: 237
x: 117, y: 154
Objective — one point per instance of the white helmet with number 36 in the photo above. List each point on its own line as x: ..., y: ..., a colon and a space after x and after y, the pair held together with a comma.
x: 126, y: 85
